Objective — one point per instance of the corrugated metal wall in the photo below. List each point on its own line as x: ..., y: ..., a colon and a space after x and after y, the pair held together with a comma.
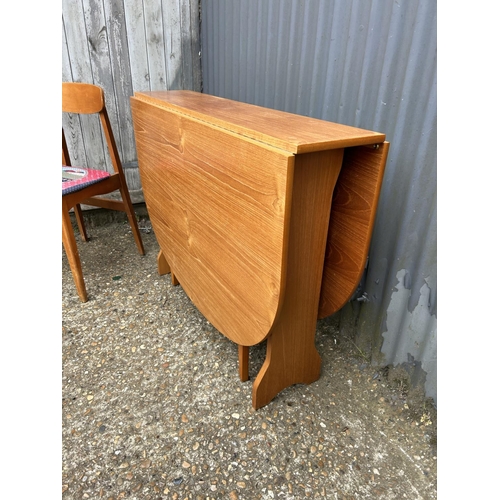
x: 125, y: 46
x: 370, y: 64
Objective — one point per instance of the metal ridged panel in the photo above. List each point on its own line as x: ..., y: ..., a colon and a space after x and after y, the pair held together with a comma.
x: 370, y: 64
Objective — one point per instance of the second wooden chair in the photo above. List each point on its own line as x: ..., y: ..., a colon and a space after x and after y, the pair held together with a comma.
x: 83, y: 185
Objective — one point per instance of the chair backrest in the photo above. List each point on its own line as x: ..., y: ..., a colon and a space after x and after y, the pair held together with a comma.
x: 86, y: 98
x: 82, y: 98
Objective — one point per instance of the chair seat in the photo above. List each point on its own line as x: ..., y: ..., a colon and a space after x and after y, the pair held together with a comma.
x: 76, y: 178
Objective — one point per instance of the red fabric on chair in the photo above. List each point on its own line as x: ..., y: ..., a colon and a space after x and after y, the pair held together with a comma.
x: 76, y: 178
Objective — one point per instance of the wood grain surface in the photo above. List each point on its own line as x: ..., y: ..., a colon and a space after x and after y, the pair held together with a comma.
x: 288, y: 131
x: 219, y: 205
x: 352, y: 218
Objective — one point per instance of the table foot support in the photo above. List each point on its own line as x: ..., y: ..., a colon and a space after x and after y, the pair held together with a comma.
x: 291, y: 355
x: 284, y: 366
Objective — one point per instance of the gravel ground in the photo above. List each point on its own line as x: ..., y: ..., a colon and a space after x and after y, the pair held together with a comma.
x: 153, y: 408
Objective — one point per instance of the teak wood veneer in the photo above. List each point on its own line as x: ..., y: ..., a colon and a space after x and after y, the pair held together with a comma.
x: 264, y: 218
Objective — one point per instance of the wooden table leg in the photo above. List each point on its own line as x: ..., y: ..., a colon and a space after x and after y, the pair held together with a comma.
x: 291, y: 356
x: 243, y: 356
x: 164, y: 268
x: 161, y: 262
x: 175, y: 281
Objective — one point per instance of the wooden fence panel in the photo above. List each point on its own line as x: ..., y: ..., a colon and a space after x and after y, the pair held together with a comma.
x: 126, y: 46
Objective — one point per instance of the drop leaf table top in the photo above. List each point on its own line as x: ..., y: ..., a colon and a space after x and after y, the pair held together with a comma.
x: 264, y: 218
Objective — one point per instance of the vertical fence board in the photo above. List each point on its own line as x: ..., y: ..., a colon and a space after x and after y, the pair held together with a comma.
x: 122, y: 77
x: 71, y: 123
x: 173, y: 42
x: 137, y: 45
x: 155, y: 45
x: 83, y: 131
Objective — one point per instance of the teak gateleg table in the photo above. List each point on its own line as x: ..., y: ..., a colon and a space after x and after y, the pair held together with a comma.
x: 264, y: 217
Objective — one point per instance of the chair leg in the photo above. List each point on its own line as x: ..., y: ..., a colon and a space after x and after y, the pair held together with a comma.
x: 129, y: 209
x: 69, y: 242
x: 80, y: 222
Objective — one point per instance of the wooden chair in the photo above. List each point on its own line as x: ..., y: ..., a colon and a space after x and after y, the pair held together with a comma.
x: 84, y: 185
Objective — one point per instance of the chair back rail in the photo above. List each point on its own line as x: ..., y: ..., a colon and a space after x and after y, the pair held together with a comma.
x: 82, y: 98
